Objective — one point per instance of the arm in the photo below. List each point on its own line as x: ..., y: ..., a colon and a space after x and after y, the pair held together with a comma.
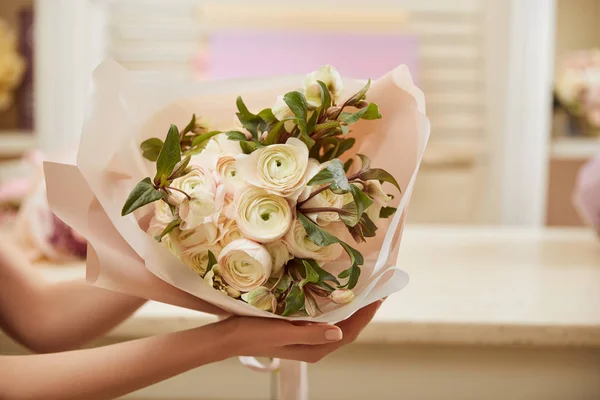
x: 49, y: 317
x: 112, y: 371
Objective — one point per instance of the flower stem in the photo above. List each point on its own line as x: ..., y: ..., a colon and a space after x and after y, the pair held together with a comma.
x: 180, y: 191
x: 323, y: 209
x: 316, y: 192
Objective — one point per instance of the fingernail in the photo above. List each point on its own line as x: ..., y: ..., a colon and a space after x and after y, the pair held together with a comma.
x: 333, y: 335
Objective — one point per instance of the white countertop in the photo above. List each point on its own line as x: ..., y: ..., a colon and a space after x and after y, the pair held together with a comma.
x: 497, y: 286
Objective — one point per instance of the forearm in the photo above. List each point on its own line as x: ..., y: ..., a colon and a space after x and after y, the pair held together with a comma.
x: 112, y: 371
x: 74, y: 313
x: 54, y: 317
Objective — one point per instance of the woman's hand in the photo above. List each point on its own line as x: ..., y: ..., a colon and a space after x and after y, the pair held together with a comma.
x: 309, y: 342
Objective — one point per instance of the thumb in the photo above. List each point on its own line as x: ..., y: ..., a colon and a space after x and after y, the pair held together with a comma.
x: 311, y: 334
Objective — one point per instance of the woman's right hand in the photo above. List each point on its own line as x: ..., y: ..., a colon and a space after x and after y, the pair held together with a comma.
x: 309, y: 342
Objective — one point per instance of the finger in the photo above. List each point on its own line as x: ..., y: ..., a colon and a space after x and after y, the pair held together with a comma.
x: 351, y: 328
x: 354, y: 325
x: 313, y: 334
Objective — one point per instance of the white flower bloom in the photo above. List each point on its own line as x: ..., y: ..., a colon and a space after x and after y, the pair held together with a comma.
x: 326, y: 199
x: 380, y: 199
x: 198, y: 179
x: 206, y: 235
x: 156, y: 228
x: 261, y: 216
x: 312, y: 169
x: 162, y: 212
x: 244, y: 265
x: 282, y: 111
x: 261, y: 298
x: 229, y: 232
x: 302, y: 247
x: 196, y: 257
x: 280, y: 255
x: 330, y: 77
x: 342, y: 296
x: 280, y: 168
x: 227, y: 171
x: 197, y: 210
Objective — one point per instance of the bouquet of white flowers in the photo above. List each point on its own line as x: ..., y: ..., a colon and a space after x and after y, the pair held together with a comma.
x: 290, y: 211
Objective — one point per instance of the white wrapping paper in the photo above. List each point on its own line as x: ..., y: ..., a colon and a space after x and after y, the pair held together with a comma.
x: 124, y: 111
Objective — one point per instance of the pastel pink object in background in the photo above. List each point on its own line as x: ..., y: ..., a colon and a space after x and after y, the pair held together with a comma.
x: 243, y: 54
x: 587, y: 193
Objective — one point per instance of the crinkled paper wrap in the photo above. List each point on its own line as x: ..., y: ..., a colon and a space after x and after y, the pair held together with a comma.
x: 125, y: 110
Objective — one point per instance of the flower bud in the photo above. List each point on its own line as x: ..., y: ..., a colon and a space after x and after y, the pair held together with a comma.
x: 342, y: 296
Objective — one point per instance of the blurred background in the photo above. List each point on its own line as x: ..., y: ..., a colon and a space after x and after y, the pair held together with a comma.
x: 513, y: 95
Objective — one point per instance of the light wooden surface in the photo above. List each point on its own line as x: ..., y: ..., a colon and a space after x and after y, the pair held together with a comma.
x: 493, y: 286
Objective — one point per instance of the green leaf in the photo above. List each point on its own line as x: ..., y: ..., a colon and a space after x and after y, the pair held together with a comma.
x: 174, y: 224
x: 333, y: 174
x: 212, y: 261
x: 325, y: 96
x: 311, y: 276
x: 307, y: 140
x: 200, y: 142
x: 315, y: 233
x: 274, y: 133
x: 151, y: 148
x: 322, y: 238
x: 169, y: 156
x: 365, y: 162
x: 344, y: 146
x: 236, y: 135
x: 356, y: 208
x: 247, y: 119
x: 283, y: 284
x: 180, y: 168
x: 204, y: 138
x: 387, y: 212
x: 352, y: 273
x: 294, y: 301
x: 327, y: 128
x: 370, y: 112
x: 249, y: 147
x: 345, y: 129
x: 267, y: 116
x: 323, y: 275
x: 297, y: 104
x: 312, y: 122
x: 191, y: 125
x: 348, y: 164
x: 360, y: 95
x: 143, y: 193
x: 380, y: 175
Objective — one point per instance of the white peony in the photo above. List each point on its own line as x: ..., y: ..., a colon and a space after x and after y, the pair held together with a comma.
x: 280, y: 255
x: 261, y: 216
x: 280, y: 169
x: 302, y: 247
x: 330, y: 77
x: 244, y: 265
